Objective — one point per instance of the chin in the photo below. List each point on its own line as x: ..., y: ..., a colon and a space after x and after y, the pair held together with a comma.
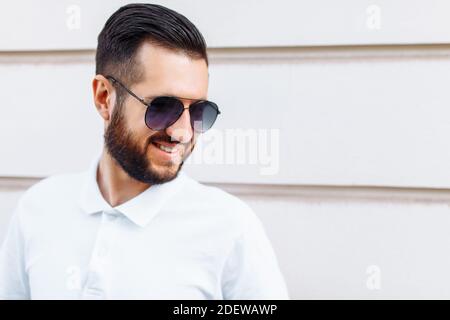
x: 166, y: 172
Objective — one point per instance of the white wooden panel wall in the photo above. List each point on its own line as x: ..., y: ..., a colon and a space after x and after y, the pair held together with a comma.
x: 363, y: 89
x: 351, y: 116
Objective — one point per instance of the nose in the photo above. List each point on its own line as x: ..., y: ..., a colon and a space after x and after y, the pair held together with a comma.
x: 181, y: 130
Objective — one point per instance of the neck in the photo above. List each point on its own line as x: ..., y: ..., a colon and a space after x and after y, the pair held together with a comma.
x: 115, y: 185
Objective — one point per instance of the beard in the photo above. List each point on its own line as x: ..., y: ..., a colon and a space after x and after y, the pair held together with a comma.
x: 132, y: 158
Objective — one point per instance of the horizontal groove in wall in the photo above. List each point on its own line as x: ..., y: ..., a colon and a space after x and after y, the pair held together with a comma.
x: 254, y: 54
x: 298, y: 192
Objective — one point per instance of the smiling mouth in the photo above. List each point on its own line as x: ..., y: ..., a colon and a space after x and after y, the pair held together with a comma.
x: 165, y: 148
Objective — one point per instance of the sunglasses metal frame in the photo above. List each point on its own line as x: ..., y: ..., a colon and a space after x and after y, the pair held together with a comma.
x: 148, y: 105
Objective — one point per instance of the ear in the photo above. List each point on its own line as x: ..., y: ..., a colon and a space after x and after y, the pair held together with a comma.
x: 104, y: 96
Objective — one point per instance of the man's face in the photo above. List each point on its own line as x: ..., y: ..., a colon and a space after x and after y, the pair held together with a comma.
x: 130, y: 142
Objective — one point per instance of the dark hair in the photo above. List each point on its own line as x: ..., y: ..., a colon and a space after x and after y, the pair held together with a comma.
x: 133, y: 24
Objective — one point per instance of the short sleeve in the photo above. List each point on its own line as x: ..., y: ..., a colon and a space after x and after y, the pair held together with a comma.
x: 13, y: 276
x: 251, y: 271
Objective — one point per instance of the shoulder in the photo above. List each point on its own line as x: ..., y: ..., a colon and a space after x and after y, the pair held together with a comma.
x: 221, y: 205
x: 54, y: 185
x: 51, y: 191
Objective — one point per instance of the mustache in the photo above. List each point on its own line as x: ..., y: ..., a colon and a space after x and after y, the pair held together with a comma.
x: 163, y: 137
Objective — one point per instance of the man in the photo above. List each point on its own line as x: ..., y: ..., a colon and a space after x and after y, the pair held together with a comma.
x: 134, y: 226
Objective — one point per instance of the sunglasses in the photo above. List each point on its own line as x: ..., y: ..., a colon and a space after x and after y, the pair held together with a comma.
x: 164, y: 111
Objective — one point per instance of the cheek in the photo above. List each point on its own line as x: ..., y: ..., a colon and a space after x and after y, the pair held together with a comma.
x: 136, y: 125
x: 194, y: 139
x: 143, y: 136
x: 136, y: 121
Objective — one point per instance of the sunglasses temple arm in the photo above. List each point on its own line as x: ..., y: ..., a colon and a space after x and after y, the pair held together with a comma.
x: 128, y: 90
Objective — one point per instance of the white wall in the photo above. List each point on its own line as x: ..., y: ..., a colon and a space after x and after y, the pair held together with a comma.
x: 361, y: 114
x: 250, y: 23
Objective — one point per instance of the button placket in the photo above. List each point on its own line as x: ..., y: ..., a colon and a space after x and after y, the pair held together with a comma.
x: 94, y: 287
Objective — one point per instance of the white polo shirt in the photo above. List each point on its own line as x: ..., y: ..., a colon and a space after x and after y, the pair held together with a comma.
x: 178, y: 240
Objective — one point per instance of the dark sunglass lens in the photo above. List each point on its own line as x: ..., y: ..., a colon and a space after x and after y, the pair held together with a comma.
x: 163, y: 112
x: 203, y: 115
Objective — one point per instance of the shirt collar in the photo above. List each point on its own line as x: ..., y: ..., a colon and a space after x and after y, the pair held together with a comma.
x: 140, y: 209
